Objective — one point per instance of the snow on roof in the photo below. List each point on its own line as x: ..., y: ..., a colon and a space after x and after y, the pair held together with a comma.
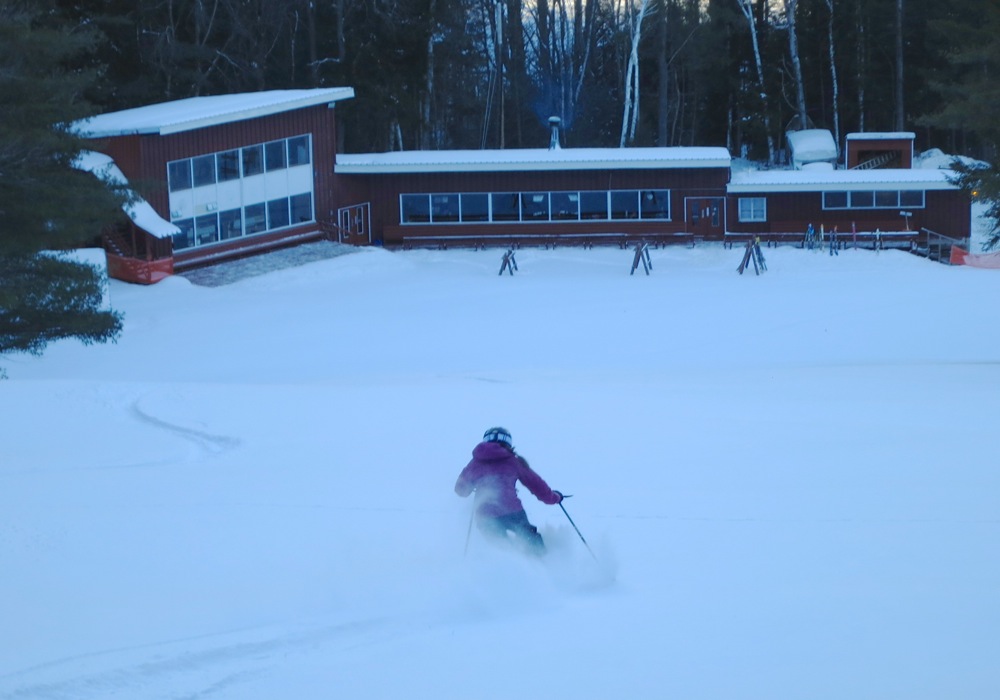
x: 519, y: 159
x: 200, y: 112
x: 811, y: 145
x: 840, y: 180
x: 140, y: 211
x: 881, y: 136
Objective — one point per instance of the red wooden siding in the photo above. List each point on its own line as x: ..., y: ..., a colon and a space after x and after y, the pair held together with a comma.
x: 383, y: 191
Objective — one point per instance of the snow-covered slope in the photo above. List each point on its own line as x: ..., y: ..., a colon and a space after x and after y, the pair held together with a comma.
x: 789, y: 482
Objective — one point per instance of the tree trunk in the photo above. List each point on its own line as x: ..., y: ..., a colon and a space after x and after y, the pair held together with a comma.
x: 630, y: 112
x: 747, y: 8
x: 833, y: 77
x: 791, y: 7
x: 663, y: 79
x: 900, y: 111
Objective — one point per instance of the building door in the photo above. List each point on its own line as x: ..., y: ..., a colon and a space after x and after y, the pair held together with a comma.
x: 705, y: 216
x: 354, y: 224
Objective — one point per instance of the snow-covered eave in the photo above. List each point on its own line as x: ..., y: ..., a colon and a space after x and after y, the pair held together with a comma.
x: 200, y: 112
x: 139, y: 210
x: 841, y: 180
x: 881, y: 136
x: 539, y: 159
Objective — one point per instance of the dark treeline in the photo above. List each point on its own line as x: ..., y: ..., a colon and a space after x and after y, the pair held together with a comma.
x: 488, y: 73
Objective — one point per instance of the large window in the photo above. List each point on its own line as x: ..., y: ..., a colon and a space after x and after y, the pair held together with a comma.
x: 594, y: 205
x: 444, y: 207
x: 753, y: 208
x: 475, y: 207
x: 179, y: 175
x: 228, y: 165
x: 506, y: 206
x: 534, y: 206
x: 528, y: 207
x: 654, y: 204
x: 415, y: 208
x: 625, y: 204
x: 874, y: 199
x: 273, y: 204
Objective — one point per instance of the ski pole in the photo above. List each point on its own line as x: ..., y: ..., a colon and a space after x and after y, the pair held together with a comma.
x: 577, y: 530
x: 468, y: 535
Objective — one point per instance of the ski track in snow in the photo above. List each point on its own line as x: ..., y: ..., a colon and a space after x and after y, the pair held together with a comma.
x: 180, y: 672
x: 207, y: 443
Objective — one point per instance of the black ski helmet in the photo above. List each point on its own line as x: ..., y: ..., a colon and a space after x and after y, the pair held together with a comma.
x: 501, y: 435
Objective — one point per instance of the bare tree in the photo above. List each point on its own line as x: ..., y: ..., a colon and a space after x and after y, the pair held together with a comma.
x: 900, y: 111
x: 630, y: 112
x: 835, y: 83
x: 747, y: 8
x: 791, y: 8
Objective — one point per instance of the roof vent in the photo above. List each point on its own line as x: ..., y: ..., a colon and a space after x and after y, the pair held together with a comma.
x: 554, y: 123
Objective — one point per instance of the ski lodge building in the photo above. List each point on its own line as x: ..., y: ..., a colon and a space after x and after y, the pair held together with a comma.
x: 234, y: 175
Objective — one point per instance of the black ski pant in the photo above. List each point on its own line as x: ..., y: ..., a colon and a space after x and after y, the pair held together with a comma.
x: 516, y: 523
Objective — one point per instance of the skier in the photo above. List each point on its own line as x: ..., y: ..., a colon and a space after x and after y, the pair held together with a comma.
x: 493, y: 474
x: 810, y: 236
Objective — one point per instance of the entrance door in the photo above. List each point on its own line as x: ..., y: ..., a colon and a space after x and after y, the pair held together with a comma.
x: 705, y: 216
x: 354, y: 224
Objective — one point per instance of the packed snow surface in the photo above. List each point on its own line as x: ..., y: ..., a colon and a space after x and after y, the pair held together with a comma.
x: 788, y: 482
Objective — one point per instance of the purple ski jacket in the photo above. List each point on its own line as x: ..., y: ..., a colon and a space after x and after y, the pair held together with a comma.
x: 493, y: 474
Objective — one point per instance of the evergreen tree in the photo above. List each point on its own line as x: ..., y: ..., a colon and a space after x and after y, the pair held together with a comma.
x: 45, y: 203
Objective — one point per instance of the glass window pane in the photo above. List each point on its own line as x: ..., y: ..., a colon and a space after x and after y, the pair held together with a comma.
x: 506, y: 206
x: 415, y: 208
x: 862, y: 200
x: 179, y: 175
x: 444, y: 207
x: 475, y: 207
x: 911, y: 198
x: 206, y: 229
x: 534, y: 206
x: 184, y: 239
x: 834, y: 200
x: 302, y: 208
x: 255, y: 220
x: 887, y: 199
x: 277, y: 213
x: 594, y: 205
x: 204, y: 170
x: 253, y: 160
x: 625, y: 204
x: 655, y: 204
x: 298, y: 151
x: 231, y: 224
x: 274, y: 155
x: 565, y: 206
x: 228, y: 165
x: 751, y: 209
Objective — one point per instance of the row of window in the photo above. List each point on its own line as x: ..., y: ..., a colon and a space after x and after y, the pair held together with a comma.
x: 251, y: 219
x: 755, y: 208
x: 878, y: 199
x: 481, y: 207
x: 238, y: 162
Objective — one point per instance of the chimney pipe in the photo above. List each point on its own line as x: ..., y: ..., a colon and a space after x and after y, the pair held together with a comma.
x: 554, y: 123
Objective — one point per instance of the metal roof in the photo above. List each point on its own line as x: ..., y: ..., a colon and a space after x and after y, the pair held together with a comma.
x: 537, y: 159
x: 200, y: 112
x: 841, y: 180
